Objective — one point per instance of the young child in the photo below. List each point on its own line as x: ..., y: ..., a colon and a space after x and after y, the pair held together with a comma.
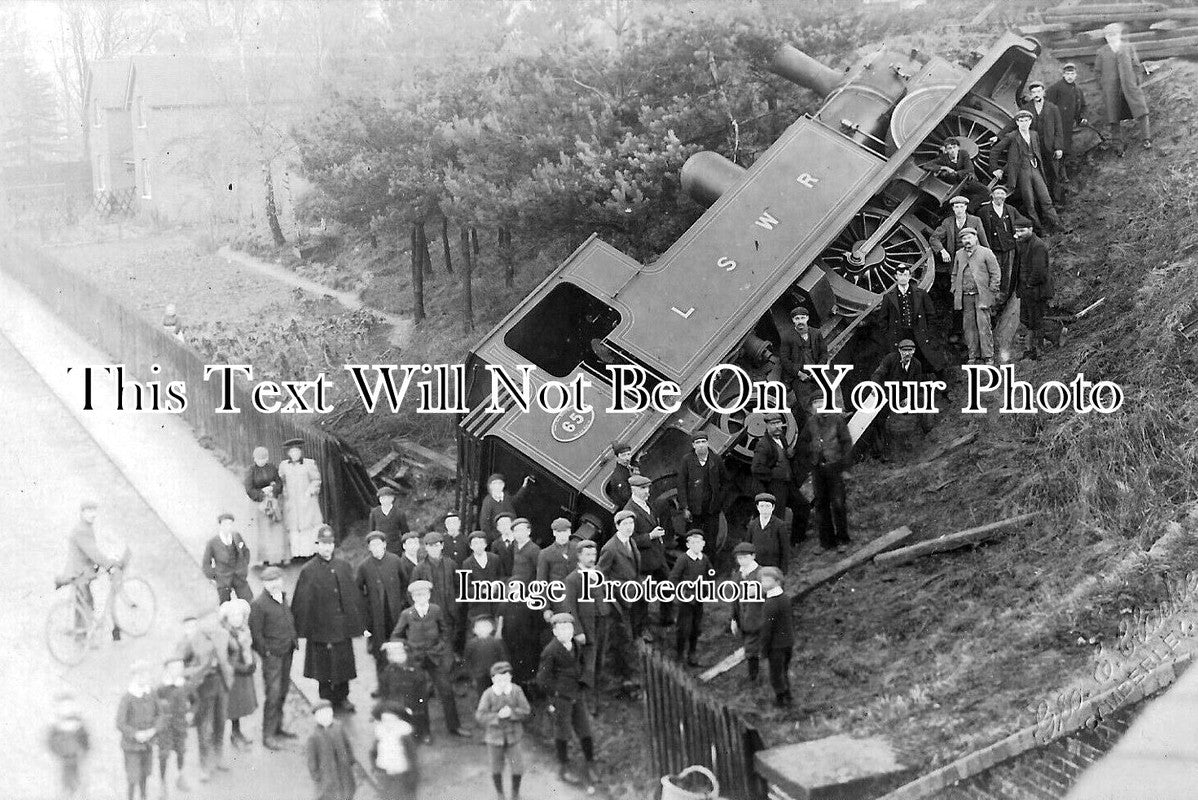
x: 502, y: 709
x: 560, y: 676
x: 690, y: 566
x: 330, y: 759
x: 777, y: 635
x: 174, y: 704
x: 404, y: 685
x: 137, y: 719
x: 393, y: 753
x: 68, y: 740
x: 483, y: 652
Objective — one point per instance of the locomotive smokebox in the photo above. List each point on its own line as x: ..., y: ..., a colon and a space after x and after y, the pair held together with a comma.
x: 798, y: 67
x: 707, y: 175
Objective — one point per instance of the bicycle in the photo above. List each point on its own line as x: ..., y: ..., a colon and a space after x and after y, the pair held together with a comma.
x: 72, y: 623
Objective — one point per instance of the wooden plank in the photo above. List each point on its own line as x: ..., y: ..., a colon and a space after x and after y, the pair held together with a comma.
x: 950, y: 541
x: 382, y: 464
x: 723, y: 666
x: 985, y: 12
x: 423, y: 457
x: 871, y: 549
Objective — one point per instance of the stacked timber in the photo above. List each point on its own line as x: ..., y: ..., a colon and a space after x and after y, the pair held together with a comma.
x: 1073, y: 32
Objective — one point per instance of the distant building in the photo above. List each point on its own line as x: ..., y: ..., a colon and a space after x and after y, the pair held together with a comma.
x: 199, y: 132
x: 110, y: 138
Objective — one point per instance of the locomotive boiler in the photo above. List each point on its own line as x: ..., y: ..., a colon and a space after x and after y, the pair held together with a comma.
x: 823, y: 217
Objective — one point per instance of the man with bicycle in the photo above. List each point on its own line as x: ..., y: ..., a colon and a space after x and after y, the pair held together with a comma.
x: 85, y: 559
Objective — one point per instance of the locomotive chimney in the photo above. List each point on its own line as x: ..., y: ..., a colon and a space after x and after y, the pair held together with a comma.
x: 798, y: 67
x: 707, y: 175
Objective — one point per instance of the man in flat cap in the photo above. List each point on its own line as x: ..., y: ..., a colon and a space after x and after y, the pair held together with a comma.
x: 690, y: 567
x: 777, y: 636
x: 381, y: 582
x: 998, y: 223
x: 426, y: 633
x: 906, y: 312
x: 411, y: 555
x: 1034, y: 287
x: 620, y: 562
x: 498, y: 499
x: 1119, y: 73
x: 945, y: 239
x: 273, y: 637
x: 768, y: 534
x: 441, y: 571
x: 802, y: 345
x: 523, y: 626
x: 457, y: 544
x: 1070, y: 100
x: 226, y: 561
x: 328, y: 613
x: 389, y: 520
x: 617, y: 485
x: 829, y: 446
x: 1046, y: 123
x: 330, y: 756
x: 596, y: 620
x: 977, y: 281
x: 563, y: 680
x: 702, y: 483
x: 900, y: 366
x: 954, y: 165
x: 650, y: 537
x: 557, y: 560
x: 746, y: 614
x: 1020, y: 154
x: 481, y: 567
x: 771, y: 457
x: 503, y: 542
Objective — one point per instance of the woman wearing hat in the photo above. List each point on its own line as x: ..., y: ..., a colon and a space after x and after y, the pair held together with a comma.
x: 265, y: 489
x: 301, y: 499
x: 243, y: 699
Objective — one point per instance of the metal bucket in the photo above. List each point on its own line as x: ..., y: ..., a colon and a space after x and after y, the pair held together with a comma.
x: 670, y: 791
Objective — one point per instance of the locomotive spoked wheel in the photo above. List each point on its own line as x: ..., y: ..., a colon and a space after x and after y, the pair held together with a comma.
x: 873, y: 271
x: 976, y: 132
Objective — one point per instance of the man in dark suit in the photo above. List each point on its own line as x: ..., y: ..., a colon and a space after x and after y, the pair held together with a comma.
x: 409, y: 560
x: 1070, y: 100
x: 746, y: 615
x: 503, y: 545
x: 387, y: 519
x: 777, y: 636
x: 1019, y: 152
x: 944, y: 239
x: 801, y: 346
x: 482, y: 567
x: 650, y: 537
x: 906, y: 312
x: 617, y: 485
x: 226, y: 561
x: 441, y: 571
x: 830, y: 447
x: 701, y: 480
x: 1047, y: 122
x: 620, y: 561
x: 383, y: 588
x: 900, y: 367
x: 768, y: 534
x: 328, y: 613
x: 273, y: 637
x: 1034, y: 286
x: 998, y: 222
x: 955, y: 167
x: 691, y: 566
x: 771, y: 462
x: 602, y: 627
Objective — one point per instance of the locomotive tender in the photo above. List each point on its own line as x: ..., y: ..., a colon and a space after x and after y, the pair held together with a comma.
x: 823, y: 217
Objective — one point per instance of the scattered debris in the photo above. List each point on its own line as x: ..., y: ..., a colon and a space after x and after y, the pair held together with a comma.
x: 1074, y: 32
x: 950, y: 541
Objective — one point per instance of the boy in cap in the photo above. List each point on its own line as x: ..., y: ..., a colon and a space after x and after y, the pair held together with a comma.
x: 174, y: 702
x: 226, y: 561
x: 503, y: 543
x: 457, y: 545
x: 689, y: 567
x: 802, y: 345
x: 481, y: 567
x: 522, y: 626
x: 702, y: 482
x: 768, y: 534
x: 405, y: 685
x: 422, y: 626
x: 746, y: 614
x: 777, y: 636
x: 441, y: 571
x: 976, y: 283
x: 330, y: 756
x: 410, y: 557
x: 502, y: 709
x: 484, y: 651
x: 498, y: 500
x: 380, y: 580
x: 1070, y: 100
x: 1019, y: 153
x: 138, y: 720
x: 557, y: 560
x: 617, y: 485
x: 272, y: 631
x: 945, y: 238
x: 70, y: 743
x: 562, y: 679
x: 389, y: 520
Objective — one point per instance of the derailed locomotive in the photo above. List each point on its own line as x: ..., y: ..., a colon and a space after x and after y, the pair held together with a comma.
x: 823, y: 217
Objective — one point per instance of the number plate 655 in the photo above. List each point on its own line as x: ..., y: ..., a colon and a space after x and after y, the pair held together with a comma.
x: 570, y: 424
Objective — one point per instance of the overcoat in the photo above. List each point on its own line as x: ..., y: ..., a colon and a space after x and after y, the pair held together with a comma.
x: 921, y: 310
x: 772, y: 542
x: 1034, y: 280
x: 652, y: 551
x: 327, y: 604
x: 331, y: 763
x: 947, y: 235
x: 1070, y: 100
x: 701, y: 487
x: 383, y: 589
x: 1119, y: 75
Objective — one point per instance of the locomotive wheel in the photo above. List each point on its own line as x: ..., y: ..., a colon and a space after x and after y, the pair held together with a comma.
x: 872, y: 273
x: 735, y: 425
x: 977, y: 133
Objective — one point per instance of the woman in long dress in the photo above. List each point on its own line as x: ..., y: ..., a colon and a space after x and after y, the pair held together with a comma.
x: 265, y: 490
x: 243, y: 698
x: 301, y: 499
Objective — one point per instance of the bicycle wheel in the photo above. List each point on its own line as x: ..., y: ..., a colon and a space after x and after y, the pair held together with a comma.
x: 65, y: 642
x: 134, y: 607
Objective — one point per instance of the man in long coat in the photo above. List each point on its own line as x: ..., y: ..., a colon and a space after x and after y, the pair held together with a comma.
x: 1034, y: 286
x: 389, y: 520
x: 617, y: 485
x: 1048, y: 125
x: 801, y: 346
x: 905, y: 313
x: 1070, y: 100
x: 328, y: 613
x: 650, y: 537
x: 1119, y: 73
x: 701, y: 487
x: 381, y: 582
x: 330, y: 756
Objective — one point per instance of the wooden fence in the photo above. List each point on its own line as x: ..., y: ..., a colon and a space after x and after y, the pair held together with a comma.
x: 347, y: 492
x: 688, y: 725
